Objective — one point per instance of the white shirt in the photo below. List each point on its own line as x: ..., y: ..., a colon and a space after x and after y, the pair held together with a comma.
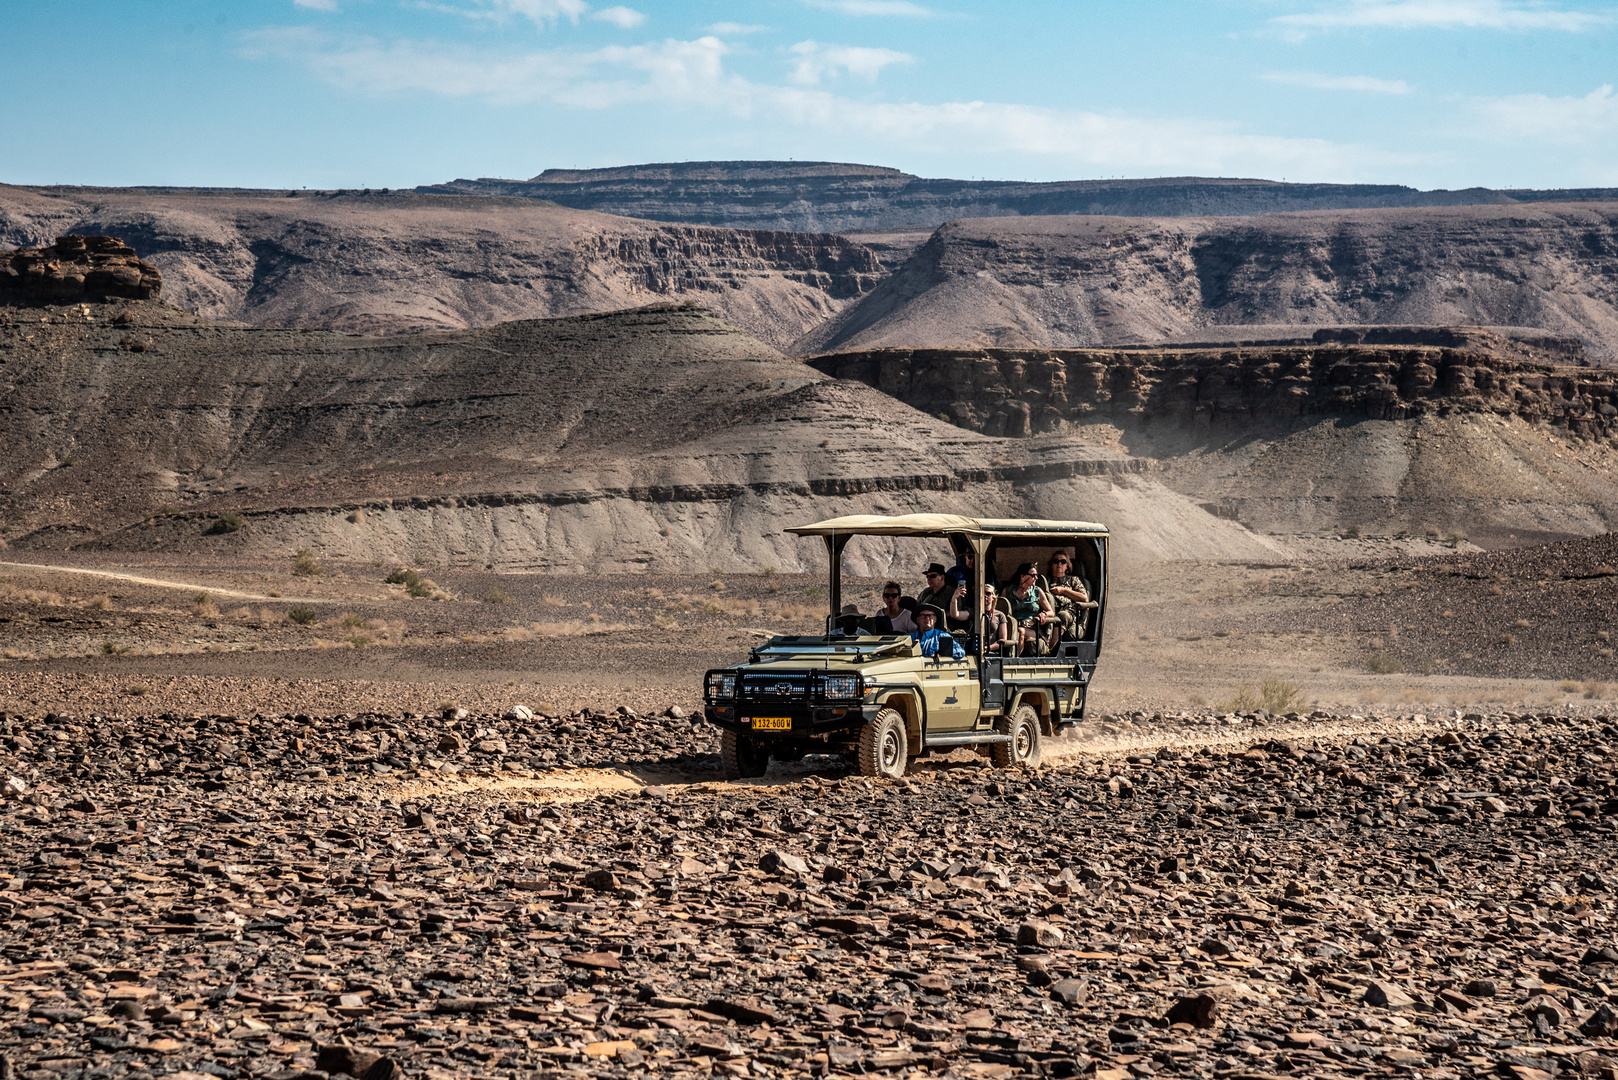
x: 902, y: 622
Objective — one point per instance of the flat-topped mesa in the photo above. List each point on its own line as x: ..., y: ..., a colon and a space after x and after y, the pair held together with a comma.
x: 1019, y: 392
x: 78, y: 268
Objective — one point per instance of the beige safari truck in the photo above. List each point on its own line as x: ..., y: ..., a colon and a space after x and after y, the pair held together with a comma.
x: 874, y: 698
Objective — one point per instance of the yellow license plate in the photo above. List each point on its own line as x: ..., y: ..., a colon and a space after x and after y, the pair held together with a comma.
x: 772, y: 723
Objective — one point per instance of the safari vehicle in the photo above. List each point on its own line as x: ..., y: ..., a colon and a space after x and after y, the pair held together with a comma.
x: 878, y: 699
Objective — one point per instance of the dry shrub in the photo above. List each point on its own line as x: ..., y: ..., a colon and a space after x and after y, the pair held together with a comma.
x: 517, y: 633
x: 359, y: 641
x: 102, y: 602
x: 1508, y: 639
x: 1605, y: 654
x: 1569, y: 687
x: 496, y: 596
x: 304, y: 563
x: 351, y: 621
x: 1245, y: 699
x: 576, y: 628
x: 1522, y: 624
x: 785, y: 611
x: 304, y: 616
x: 139, y: 689
x: 1495, y: 590
x: 1384, y: 663
x: 204, y: 609
x: 1602, y: 635
x: 30, y: 596
x: 1279, y: 695
x: 1427, y: 665
x: 716, y: 585
x: 113, y: 648
x: 554, y: 601
x: 1595, y: 689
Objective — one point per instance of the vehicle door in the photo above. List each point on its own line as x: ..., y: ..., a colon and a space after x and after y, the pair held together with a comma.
x: 951, y: 690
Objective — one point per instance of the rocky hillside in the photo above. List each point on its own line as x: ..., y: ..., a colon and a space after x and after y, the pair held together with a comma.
x: 382, y: 263
x: 826, y: 196
x: 1084, y: 281
x: 660, y: 438
x: 398, y: 261
x: 1292, y: 440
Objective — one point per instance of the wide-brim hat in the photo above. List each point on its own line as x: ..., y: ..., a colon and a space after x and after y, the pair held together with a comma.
x: 937, y: 612
x: 935, y: 568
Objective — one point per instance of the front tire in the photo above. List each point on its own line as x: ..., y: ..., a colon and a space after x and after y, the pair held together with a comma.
x: 884, y: 746
x: 1024, y: 748
x: 741, y: 757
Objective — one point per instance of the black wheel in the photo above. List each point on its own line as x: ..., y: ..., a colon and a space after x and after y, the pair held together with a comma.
x: 741, y: 756
x: 1023, y: 749
x: 884, y: 748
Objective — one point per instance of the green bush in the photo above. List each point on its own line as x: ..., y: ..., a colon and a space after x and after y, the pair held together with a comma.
x: 1278, y: 695
x: 496, y: 596
x: 422, y: 588
x: 401, y: 576
x: 226, y: 523
x: 303, y: 616
x: 1385, y: 664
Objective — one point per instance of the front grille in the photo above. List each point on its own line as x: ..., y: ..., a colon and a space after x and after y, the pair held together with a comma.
x: 774, y: 687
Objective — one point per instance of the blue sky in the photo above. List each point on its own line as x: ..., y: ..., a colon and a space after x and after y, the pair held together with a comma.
x: 394, y: 93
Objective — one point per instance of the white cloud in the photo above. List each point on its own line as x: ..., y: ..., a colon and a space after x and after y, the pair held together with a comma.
x: 539, y: 12
x: 814, y: 61
x: 1440, y: 15
x: 316, y: 5
x: 1575, y: 121
x: 730, y: 29
x: 901, y: 8
x: 1316, y: 81
x: 627, y: 18
x: 692, y: 75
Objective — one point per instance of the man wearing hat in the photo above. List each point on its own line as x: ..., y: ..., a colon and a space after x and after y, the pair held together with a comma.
x: 938, y: 590
x: 935, y: 642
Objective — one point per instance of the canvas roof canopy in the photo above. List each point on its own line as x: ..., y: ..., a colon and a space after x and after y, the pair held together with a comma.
x: 944, y: 524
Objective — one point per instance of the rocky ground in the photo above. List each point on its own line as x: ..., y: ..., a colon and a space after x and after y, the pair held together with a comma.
x: 386, y: 895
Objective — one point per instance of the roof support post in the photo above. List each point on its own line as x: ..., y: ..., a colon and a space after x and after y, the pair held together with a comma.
x: 834, y: 552
x: 980, y: 556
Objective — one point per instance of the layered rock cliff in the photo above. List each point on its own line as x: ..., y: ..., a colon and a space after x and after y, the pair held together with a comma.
x: 1022, y: 392
x: 77, y: 268
x: 1088, y: 281
x: 827, y: 196
x: 392, y: 262
x: 1292, y: 440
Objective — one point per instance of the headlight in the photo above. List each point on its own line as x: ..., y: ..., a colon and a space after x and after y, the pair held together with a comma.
x: 840, y: 687
x: 721, y: 685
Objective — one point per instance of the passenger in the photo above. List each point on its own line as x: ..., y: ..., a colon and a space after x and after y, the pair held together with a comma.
x: 898, y: 619
x: 1030, y: 610
x: 965, y: 570
x: 848, y: 623
x: 996, y: 624
x: 1067, y: 593
x: 938, y: 590
x: 934, y: 641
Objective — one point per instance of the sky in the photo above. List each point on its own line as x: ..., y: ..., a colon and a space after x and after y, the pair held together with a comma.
x: 395, y: 93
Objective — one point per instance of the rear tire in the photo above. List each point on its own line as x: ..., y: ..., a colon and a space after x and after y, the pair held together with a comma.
x: 742, y: 757
x: 884, y: 746
x: 1024, y: 748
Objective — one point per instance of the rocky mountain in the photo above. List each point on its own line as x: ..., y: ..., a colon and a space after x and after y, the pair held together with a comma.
x: 822, y: 196
x: 1063, y: 282
x: 660, y: 438
x: 1545, y: 275
x: 398, y: 261
x: 1295, y: 440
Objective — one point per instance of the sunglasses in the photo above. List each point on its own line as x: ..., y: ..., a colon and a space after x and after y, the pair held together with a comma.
x: 1058, y: 562
x: 890, y: 596
x: 932, y: 575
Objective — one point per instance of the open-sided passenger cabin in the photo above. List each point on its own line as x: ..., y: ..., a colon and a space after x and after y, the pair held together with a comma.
x: 1003, y: 544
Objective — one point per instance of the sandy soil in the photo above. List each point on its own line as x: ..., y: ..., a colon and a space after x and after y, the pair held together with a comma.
x: 166, y: 635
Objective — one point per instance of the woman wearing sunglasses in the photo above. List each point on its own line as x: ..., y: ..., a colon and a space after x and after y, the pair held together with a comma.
x: 1031, y: 610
